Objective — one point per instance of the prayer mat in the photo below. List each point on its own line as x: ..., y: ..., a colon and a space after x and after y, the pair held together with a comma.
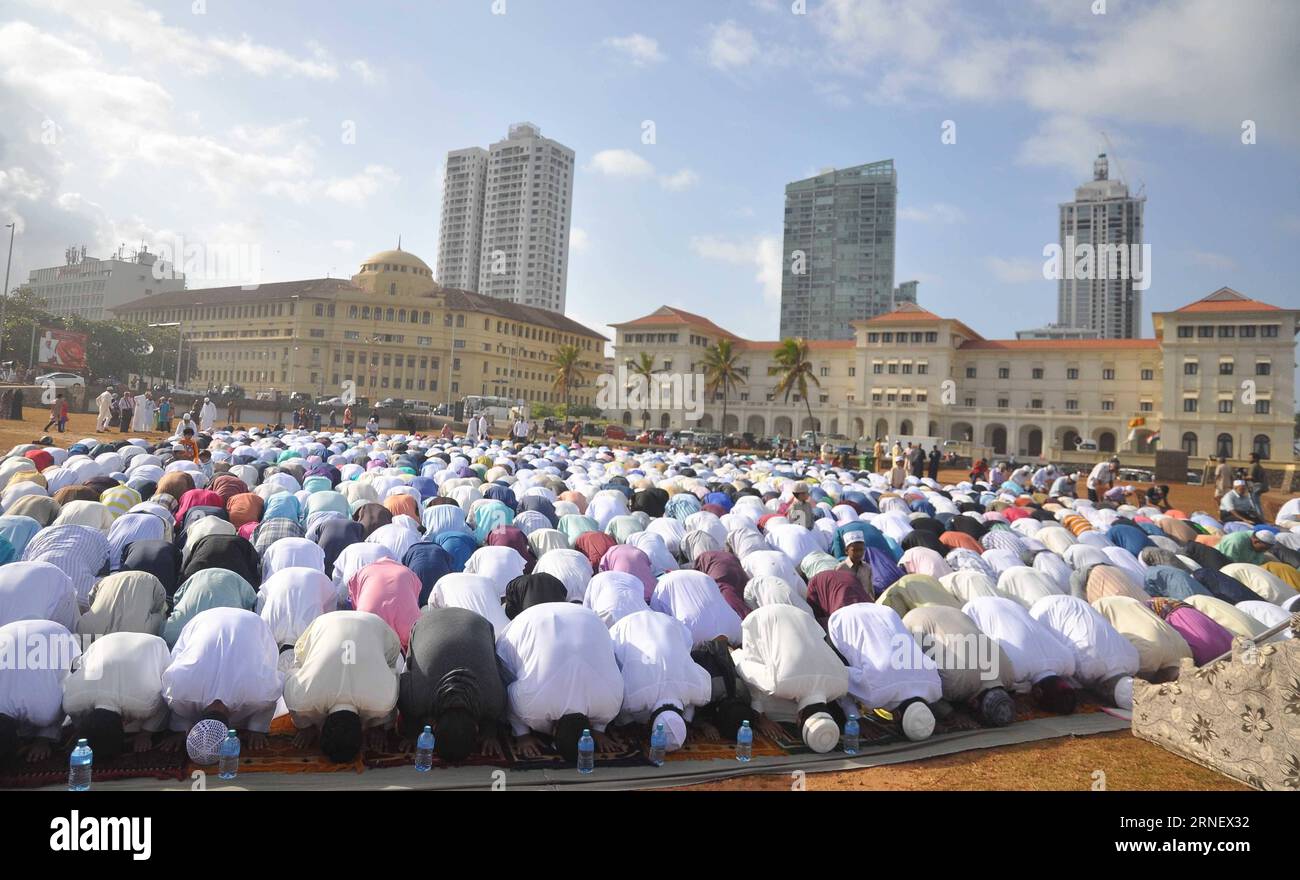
x: 154, y: 764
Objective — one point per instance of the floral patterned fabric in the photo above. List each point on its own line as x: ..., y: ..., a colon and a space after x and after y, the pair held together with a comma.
x: 1238, y: 715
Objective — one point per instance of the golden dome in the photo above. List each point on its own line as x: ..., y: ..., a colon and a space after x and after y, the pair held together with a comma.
x: 394, y: 260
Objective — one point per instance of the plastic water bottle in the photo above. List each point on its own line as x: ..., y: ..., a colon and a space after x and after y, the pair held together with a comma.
x: 586, y: 753
x: 424, y: 750
x: 79, y: 765
x: 744, y: 743
x: 658, y: 745
x: 852, y: 735
x: 228, y: 756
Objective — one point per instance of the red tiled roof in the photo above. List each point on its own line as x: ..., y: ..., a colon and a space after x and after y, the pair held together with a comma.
x: 1045, y: 344
x: 667, y: 316
x: 906, y: 312
x: 813, y: 344
x: 1225, y: 299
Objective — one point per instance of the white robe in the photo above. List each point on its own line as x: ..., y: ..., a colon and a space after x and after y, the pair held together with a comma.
x: 571, y: 568
x: 35, y: 656
x: 320, y: 684
x: 886, y: 664
x: 614, y: 595
x: 654, y: 653
x: 558, y: 659
x: 1034, y: 650
x: 225, y: 654
x: 695, y: 599
x: 207, y: 415
x: 473, y: 592
x: 121, y: 672
x: 143, y: 419
x: 291, y: 599
x: 1100, y: 651
x: 787, y: 663
x: 37, y: 591
x: 105, y: 404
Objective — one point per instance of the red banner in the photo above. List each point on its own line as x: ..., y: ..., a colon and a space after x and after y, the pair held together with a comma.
x: 62, y: 349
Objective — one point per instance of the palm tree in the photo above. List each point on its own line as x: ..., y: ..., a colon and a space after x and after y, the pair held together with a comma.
x: 644, y: 367
x: 567, y: 373
x: 795, y: 369
x: 722, y: 370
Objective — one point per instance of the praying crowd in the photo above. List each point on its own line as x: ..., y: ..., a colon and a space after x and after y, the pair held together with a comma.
x: 511, y: 595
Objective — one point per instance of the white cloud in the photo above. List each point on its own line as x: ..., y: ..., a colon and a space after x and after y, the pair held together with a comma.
x: 678, y: 181
x: 1211, y: 260
x: 1070, y: 143
x: 620, y: 163
x: 638, y: 48
x: 359, y: 187
x: 1016, y: 270
x: 939, y: 212
x: 732, y: 47
x: 579, y: 241
x: 142, y: 30
x: 367, y: 74
x: 762, y: 252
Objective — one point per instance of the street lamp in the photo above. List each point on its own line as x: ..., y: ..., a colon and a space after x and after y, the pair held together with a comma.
x: 180, y: 343
x: 4, y: 294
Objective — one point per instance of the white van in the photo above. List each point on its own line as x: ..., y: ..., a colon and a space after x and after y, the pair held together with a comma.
x: 1086, y: 446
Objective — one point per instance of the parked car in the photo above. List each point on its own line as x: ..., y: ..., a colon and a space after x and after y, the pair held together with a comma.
x: 419, y: 408
x: 62, y: 381
x: 1086, y: 446
x: 330, y: 401
x: 615, y: 432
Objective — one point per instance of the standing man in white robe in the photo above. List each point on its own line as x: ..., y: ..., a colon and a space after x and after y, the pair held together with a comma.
x: 792, y: 673
x: 661, y: 683
x: 224, y: 666
x: 343, y: 682
x: 561, y: 678
x: 116, y: 690
x: 35, y: 656
x: 207, y: 415
x: 104, y: 417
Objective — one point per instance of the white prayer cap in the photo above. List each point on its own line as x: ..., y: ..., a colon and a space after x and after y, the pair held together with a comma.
x: 821, y: 733
x: 917, y: 721
x: 853, y: 537
x: 674, y: 728
x: 1124, y: 692
x: 204, y: 740
x: 1264, y: 536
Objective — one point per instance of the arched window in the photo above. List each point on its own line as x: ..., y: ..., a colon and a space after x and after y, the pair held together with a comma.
x: 1223, y: 446
x: 1261, y: 446
x: 352, y: 311
x: 401, y: 316
x: 1189, y: 444
x: 365, y: 312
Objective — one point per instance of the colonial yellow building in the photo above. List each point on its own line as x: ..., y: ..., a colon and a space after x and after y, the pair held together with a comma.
x: 391, y: 329
x: 1217, y: 378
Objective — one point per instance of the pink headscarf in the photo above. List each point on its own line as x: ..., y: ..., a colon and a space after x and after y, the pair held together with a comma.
x: 625, y: 557
x: 392, y: 591
x: 923, y: 560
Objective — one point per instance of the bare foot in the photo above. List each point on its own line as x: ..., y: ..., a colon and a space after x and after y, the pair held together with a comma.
x: 39, y: 750
x: 142, y: 742
x: 172, y: 742
x: 606, y: 743
x: 306, y: 738
x: 770, y: 729
x: 376, y: 739
x: 492, y: 748
x: 405, y: 745
x: 256, y: 741
x: 708, y: 733
x: 528, y: 746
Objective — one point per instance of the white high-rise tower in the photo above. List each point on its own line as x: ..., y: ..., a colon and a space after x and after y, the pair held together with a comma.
x: 1106, y: 218
x: 516, y: 200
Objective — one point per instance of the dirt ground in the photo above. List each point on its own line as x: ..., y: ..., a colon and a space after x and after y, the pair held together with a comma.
x: 1066, y: 764
x: 1059, y: 764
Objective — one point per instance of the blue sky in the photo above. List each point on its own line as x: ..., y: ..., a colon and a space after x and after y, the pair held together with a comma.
x: 226, y: 127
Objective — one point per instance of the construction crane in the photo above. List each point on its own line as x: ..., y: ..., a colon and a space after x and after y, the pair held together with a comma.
x: 1123, y: 178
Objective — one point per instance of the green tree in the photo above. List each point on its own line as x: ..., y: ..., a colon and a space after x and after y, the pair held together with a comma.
x: 568, y: 374
x: 722, y: 371
x: 791, y: 362
x: 643, y: 367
